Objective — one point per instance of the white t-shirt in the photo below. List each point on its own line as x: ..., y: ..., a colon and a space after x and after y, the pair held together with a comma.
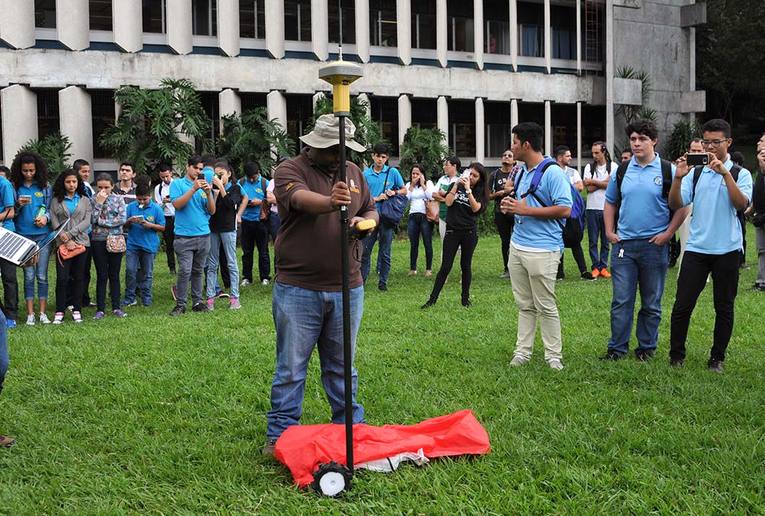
x: 419, y: 196
x: 597, y: 200
x: 573, y: 175
x: 270, y: 188
x: 160, y: 191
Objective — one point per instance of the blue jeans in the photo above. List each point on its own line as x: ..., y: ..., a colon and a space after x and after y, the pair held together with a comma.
x: 228, y: 239
x: 596, y: 229
x: 39, y: 272
x: 637, y: 263
x: 135, y: 260
x: 418, y: 225
x: 305, y: 319
x: 385, y: 234
x: 4, y: 359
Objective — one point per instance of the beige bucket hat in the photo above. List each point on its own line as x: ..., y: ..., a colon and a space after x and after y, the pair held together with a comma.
x: 326, y: 133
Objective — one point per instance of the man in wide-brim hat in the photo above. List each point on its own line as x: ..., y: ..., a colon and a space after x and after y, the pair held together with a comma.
x: 307, y: 293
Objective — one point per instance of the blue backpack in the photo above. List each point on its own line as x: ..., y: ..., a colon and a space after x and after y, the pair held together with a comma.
x: 573, y: 228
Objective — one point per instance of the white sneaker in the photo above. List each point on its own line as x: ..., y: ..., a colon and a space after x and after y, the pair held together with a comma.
x: 244, y: 283
x: 555, y: 364
x: 31, y: 320
x: 58, y: 318
x: 518, y: 361
x: 265, y: 282
x: 44, y: 318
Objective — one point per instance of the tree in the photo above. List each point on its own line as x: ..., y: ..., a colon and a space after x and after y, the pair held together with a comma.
x: 682, y: 133
x: 368, y: 132
x: 641, y: 112
x: 54, y: 150
x: 253, y: 137
x: 151, y: 123
x: 427, y: 147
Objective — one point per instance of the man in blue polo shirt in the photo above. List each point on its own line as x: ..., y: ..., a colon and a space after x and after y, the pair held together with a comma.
x: 536, y: 244
x: 252, y: 215
x: 640, y: 252
x: 714, y: 246
x: 384, y: 182
x: 10, y: 285
x: 194, y: 202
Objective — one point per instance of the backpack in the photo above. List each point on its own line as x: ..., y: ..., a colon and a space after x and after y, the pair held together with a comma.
x: 392, y: 209
x: 666, y: 185
x: 734, y: 172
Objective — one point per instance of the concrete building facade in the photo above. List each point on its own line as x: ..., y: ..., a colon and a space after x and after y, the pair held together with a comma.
x: 471, y: 69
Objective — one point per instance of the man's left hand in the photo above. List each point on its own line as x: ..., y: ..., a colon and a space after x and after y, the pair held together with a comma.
x: 661, y: 239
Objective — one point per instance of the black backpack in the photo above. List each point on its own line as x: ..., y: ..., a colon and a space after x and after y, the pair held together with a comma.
x: 734, y: 172
x: 666, y: 185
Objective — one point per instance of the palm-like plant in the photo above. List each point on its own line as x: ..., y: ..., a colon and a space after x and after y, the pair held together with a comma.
x: 426, y: 147
x: 368, y: 132
x: 682, y: 133
x: 253, y: 137
x: 54, y: 150
x: 152, y: 122
x: 641, y: 112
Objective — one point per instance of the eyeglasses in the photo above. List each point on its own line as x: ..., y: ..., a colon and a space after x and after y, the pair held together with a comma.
x: 715, y: 143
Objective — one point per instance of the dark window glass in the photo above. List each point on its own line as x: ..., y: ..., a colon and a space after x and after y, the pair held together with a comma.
x: 348, y: 21
x: 497, y: 119
x: 47, y: 112
x: 531, y: 29
x: 423, y: 24
x: 532, y: 112
x: 252, y: 100
x: 425, y: 113
x: 462, y: 127
x: 382, y: 23
x: 496, y: 27
x: 385, y: 113
x: 102, y: 102
x: 45, y: 14
x: 297, y: 20
x: 564, y: 126
x: 593, y: 127
x: 212, y: 110
x: 100, y: 15
x: 593, y: 31
x: 460, y: 26
x: 252, y: 19
x: 299, y: 113
x: 204, y: 19
x: 154, y: 16
x: 563, y: 21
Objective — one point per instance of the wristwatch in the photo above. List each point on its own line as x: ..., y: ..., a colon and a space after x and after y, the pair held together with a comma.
x: 468, y: 191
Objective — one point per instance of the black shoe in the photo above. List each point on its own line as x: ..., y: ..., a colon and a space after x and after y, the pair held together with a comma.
x: 716, y: 366
x: 178, y: 310
x: 644, y: 355
x: 587, y: 275
x: 428, y: 304
x: 676, y: 362
x: 200, y: 307
x: 560, y: 277
x: 612, y: 355
x: 466, y: 303
x: 759, y: 287
x: 382, y: 287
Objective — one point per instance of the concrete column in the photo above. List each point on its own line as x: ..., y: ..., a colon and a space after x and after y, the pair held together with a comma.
x: 548, y: 127
x: 514, y: 34
x: 692, y: 66
x: 609, y: 58
x: 579, y: 137
x: 17, y: 23
x: 480, y: 131
x: 548, y: 37
x: 478, y: 33
x: 579, y: 37
x: 319, y: 29
x: 362, y: 29
x: 317, y: 97
x: 443, y: 117
x: 441, y: 32
x: 276, y: 104
x: 363, y: 97
x: 19, y: 108
x: 513, y: 112
x: 127, y: 24
x: 179, y: 26
x: 404, y: 31
x: 275, y: 28
x: 73, y: 23
x: 76, y: 119
x: 229, y: 103
x: 228, y: 26
x: 404, y: 116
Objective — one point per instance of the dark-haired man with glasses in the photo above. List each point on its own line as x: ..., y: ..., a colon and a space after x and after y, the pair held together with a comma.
x: 718, y: 191
x: 500, y: 186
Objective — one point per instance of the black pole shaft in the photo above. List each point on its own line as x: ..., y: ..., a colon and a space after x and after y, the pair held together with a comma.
x: 347, y: 351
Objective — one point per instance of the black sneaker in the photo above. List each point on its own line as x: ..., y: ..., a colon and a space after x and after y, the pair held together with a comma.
x: 587, y: 276
x: 759, y: 287
x: 178, y: 310
x: 644, y: 355
x: 382, y: 287
x: 200, y: 307
x: 612, y: 355
x: 716, y: 366
x: 676, y: 362
x: 466, y: 303
x: 560, y: 277
x: 428, y: 304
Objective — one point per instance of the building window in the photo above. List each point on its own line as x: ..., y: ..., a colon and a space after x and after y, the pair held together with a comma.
x: 297, y: 20
x: 462, y: 127
x: 531, y: 29
x: 593, y: 35
x: 100, y: 15
x: 382, y: 23
x: 45, y: 14
x: 299, y: 114
x: 564, y: 126
x: 252, y: 100
x: 211, y: 106
x: 155, y: 16
x: 460, y: 26
x: 347, y: 16
x: 48, y: 121
x: 252, y: 19
x: 204, y: 19
x: 563, y: 19
x: 385, y: 113
x: 424, y: 24
x: 497, y: 119
x: 102, y: 102
x: 497, y: 27
x: 594, y: 128
x: 424, y: 113
x: 532, y: 112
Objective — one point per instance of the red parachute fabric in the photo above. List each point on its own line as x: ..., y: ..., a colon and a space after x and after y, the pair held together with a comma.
x: 302, y: 448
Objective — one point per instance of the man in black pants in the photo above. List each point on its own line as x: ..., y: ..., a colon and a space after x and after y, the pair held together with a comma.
x: 162, y: 197
x: 500, y: 186
x: 572, y: 234
x: 717, y: 191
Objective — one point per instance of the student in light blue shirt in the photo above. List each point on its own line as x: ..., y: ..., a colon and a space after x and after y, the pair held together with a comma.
x: 640, y: 252
x: 536, y: 244
x: 145, y: 221
x: 718, y: 192
x: 252, y: 216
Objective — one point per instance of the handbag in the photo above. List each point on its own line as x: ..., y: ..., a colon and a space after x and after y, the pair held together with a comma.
x: 392, y: 209
x: 64, y: 253
x: 116, y: 244
x: 432, y: 211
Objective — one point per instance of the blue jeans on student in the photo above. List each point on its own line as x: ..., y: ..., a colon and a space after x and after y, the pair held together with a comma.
x: 4, y: 359
x: 136, y: 259
x: 384, y: 234
x: 228, y: 239
x: 596, y: 229
x: 418, y: 225
x: 637, y: 263
x: 38, y: 272
x: 305, y: 319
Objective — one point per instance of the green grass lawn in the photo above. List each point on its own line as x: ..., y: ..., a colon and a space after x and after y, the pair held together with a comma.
x: 154, y: 414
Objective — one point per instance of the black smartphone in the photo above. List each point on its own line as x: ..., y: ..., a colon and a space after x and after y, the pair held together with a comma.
x: 697, y: 159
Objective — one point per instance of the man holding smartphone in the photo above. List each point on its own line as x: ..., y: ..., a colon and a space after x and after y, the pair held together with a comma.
x: 717, y: 192
x: 162, y: 198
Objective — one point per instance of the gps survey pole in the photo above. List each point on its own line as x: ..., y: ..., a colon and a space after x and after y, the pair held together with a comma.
x: 340, y: 74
